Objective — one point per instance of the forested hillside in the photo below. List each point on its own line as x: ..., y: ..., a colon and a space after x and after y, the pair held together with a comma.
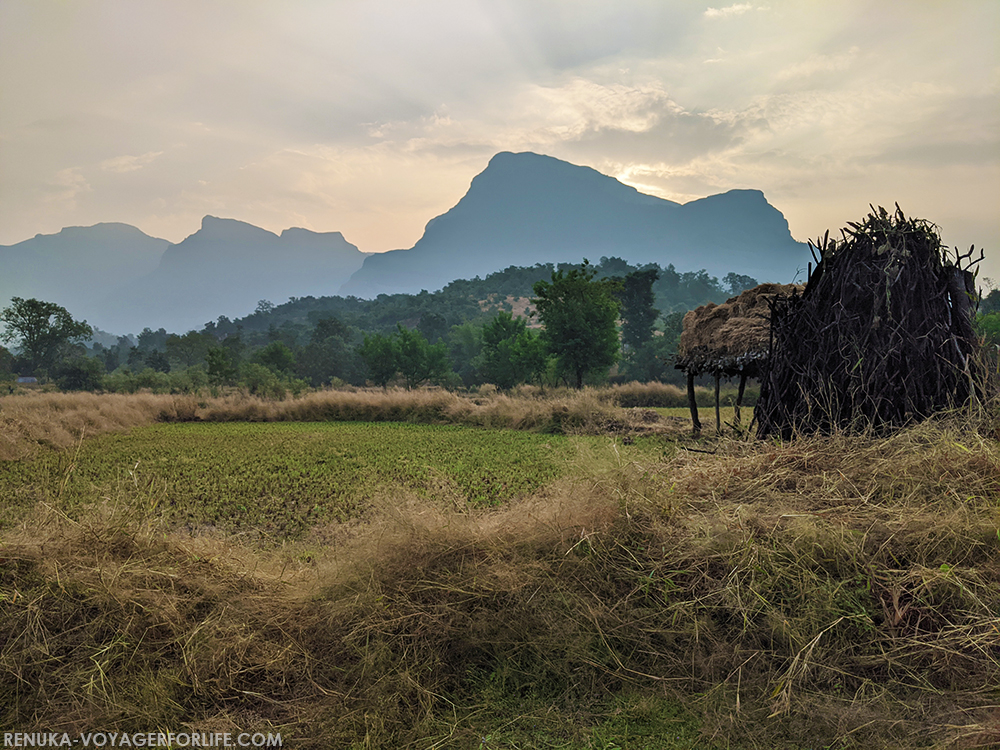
x: 313, y: 341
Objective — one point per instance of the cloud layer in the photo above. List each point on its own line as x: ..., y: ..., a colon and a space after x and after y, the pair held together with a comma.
x: 370, y: 117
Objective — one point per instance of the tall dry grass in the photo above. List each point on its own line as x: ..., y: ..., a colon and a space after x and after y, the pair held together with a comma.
x: 58, y: 420
x: 831, y: 591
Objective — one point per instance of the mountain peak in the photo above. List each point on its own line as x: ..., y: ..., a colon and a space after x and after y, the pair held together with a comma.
x: 217, y: 228
x: 301, y: 234
x: 527, y: 165
x: 106, y: 229
x: 526, y: 208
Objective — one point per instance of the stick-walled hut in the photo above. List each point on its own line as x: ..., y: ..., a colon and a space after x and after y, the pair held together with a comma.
x: 882, y: 335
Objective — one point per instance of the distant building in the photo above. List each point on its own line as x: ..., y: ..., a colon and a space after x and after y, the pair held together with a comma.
x: 27, y: 380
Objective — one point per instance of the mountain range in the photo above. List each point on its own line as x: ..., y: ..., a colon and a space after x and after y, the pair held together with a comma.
x: 522, y: 209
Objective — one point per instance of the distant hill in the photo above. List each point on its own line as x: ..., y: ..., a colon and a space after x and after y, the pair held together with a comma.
x: 78, y: 266
x: 227, y: 266
x: 526, y: 208
x: 122, y: 280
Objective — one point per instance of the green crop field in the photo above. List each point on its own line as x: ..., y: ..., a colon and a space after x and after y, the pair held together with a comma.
x: 281, y: 478
x: 707, y: 413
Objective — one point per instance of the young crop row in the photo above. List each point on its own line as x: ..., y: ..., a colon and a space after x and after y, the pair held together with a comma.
x: 279, y: 479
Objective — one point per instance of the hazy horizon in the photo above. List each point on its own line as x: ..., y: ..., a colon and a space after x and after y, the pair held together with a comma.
x: 371, y: 118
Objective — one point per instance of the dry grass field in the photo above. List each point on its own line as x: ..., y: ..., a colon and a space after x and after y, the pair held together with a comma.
x: 650, y: 591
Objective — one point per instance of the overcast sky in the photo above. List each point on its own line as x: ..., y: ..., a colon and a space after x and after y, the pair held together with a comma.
x: 370, y: 117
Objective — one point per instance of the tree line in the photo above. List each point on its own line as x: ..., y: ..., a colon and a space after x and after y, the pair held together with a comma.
x: 587, y: 323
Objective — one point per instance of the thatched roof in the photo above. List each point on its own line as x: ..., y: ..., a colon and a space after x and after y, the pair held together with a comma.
x: 733, y: 337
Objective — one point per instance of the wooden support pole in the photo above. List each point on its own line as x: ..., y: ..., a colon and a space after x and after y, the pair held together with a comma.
x: 739, y: 398
x: 693, y: 405
x: 718, y: 417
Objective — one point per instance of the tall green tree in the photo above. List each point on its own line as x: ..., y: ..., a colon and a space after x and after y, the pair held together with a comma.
x: 990, y: 303
x: 328, y: 354
x: 189, y: 349
x: 6, y: 362
x: 512, y: 353
x: 277, y: 358
x: 220, y: 366
x: 41, y: 330
x: 465, y: 342
x: 737, y: 283
x: 417, y: 360
x: 379, y: 356
x: 150, y: 340
x: 637, y: 312
x: 79, y: 373
x: 158, y: 361
x: 580, y: 315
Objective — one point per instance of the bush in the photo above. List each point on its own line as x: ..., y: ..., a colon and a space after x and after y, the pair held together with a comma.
x: 80, y: 374
x: 154, y: 380
x: 122, y: 380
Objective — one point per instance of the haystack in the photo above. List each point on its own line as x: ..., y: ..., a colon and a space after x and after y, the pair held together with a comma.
x: 881, y: 336
x: 731, y: 338
x: 728, y: 340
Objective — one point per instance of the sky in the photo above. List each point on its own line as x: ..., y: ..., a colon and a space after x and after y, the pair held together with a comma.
x: 370, y: 117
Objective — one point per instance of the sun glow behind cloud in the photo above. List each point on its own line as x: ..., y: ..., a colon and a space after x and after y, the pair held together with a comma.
x: 372, y: 117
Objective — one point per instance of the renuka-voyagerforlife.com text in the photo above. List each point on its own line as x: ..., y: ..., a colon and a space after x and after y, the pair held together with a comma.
x: 140, y: 739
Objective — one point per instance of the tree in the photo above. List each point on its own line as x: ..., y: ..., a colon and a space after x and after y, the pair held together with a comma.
x: 158, y: 361
x: 615, y: 266
x: 328, y: 355
x: 512, y: 353
x: 433, y: 326
x: 465, y: 342
x: 737, y: 283
x: 990, y: 303
x: 80, y: 374
x: 406, y: 352
x: 150, y: 340
x: 580, y: 315
x: 379, y: 355
x: 988, y: 329
x: 189, y: 349
x: 277, y: 358
x: 637, y: 311
x: 6, y: 363
x: 220, y: 365
x: 417, y: 360
x: 7, y: 376
x: 41, y: 330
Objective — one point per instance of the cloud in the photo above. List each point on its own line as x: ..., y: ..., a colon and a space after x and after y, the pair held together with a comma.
x: 66, y: 186
x: 730, y: 11
x: 819, y: 64
x: 122, y: 164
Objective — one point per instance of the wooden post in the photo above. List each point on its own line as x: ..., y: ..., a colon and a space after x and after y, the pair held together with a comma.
x: 718, y: 417
x: 739, y: 398
x: 692, y: 404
